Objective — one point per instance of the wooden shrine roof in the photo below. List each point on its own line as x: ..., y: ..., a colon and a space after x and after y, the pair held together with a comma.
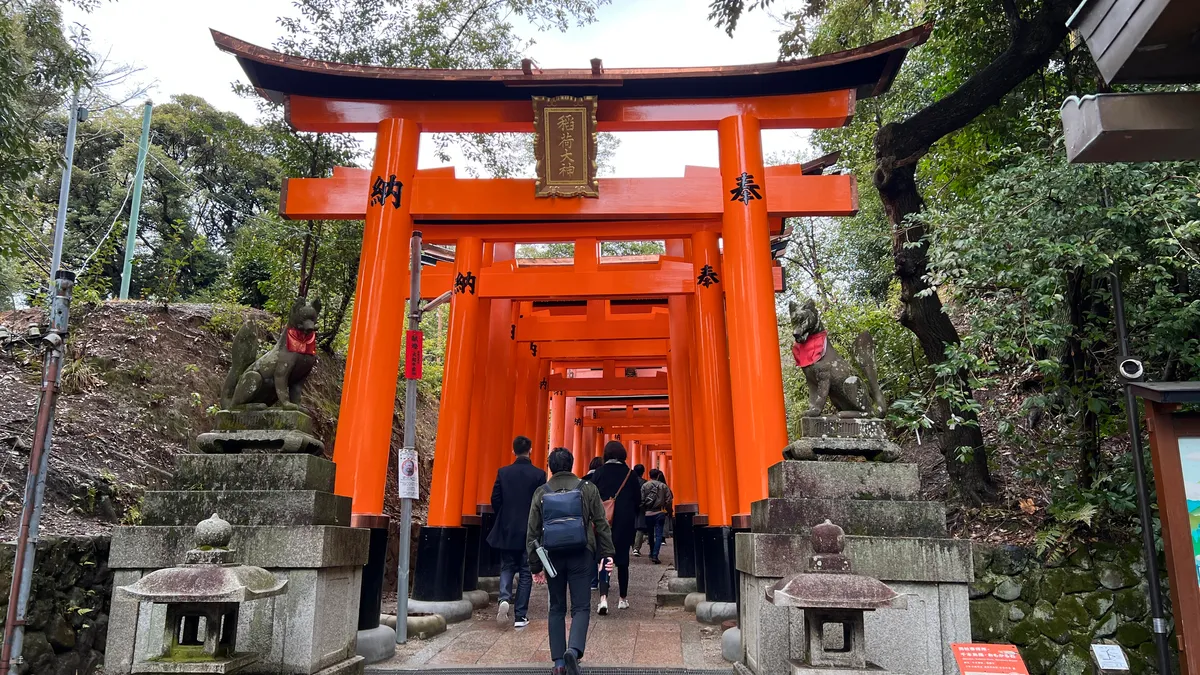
x: 867, y: 70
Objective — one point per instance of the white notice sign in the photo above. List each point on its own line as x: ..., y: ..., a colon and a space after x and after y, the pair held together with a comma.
x: 1110, y: 657
x: 410, y: 487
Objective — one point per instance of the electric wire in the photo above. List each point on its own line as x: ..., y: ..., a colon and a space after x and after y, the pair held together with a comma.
x: 111, y: 227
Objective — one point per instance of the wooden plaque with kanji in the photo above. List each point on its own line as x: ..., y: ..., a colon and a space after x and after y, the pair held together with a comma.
x: 564, y: 130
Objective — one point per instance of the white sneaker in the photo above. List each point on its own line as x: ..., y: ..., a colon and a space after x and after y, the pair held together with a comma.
x: 622, y: 604
x: 602, y: 608
x: 502, y: 613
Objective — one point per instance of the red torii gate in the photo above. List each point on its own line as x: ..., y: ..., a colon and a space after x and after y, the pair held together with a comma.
x: 738, y: 392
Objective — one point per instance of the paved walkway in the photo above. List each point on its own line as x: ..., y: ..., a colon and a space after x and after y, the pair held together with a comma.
x: 643, y: 635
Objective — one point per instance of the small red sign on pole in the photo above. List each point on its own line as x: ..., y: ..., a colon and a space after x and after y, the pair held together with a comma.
x: 985, y: 659
x: 414, y: 353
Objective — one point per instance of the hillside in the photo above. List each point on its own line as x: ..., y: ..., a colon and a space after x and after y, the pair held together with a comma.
x: 138, y: 386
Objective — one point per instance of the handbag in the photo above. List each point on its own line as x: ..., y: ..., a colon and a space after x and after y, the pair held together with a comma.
x: 611, y: 504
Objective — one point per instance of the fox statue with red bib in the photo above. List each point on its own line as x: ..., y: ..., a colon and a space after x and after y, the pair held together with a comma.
x: 829, y: 376
x: 275, y: 378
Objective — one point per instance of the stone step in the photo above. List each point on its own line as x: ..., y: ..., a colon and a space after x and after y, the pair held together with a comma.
x: 889, y: 559
x: 253, y: 472
x: 246, y: 507
x: 261, y: 420
x: 843, y: 480
x: 306, y: 547
x: 884, y: 518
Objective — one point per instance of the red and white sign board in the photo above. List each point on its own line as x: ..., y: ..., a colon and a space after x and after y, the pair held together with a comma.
x: 984, y: 659
x: 414, y: 354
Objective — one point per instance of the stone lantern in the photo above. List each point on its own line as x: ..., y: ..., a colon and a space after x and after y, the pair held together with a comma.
x: 834, y: 600
x: 202, y: 598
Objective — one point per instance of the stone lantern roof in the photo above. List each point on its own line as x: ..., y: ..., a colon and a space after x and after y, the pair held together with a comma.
x: 208, y: 574
x: 829, y: 583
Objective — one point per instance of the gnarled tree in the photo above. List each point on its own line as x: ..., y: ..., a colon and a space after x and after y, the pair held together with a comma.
x: 1033, y: 31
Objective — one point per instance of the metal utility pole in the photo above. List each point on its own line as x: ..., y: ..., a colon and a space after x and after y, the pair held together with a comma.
x: 62, y: 281
x: 77, y: 115
x: 1130, y: 369
x: 35, y: 482
x: 407, y: 460
x: 136, y: 207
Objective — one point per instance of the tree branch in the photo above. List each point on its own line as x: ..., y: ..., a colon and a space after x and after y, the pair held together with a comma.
x: 1013, y: 15
x: 906, y: 142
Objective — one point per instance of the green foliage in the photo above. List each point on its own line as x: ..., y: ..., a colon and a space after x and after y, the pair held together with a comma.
x: 38, y: 67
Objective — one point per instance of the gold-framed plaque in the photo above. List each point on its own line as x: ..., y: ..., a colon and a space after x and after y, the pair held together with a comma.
x: 564, y: 130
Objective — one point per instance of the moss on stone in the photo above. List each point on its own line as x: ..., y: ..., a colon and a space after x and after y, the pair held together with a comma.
x: 1058, y: 629
x: 1050, y: 588
x: 1026, y: 632
x: 989, y: 620
x: 1074, y: 661
x: 1007, y: 590
x: 1040, y: 656
x: 982, y: 587
x: 1098, y: 602
x: 1018, y: 610
x: 1080, y: 558
x: 1070, y: 608
x: 1115, y: 576
x: 1130, y: 635
x: 1106, y: 627
x: 1131, y: 602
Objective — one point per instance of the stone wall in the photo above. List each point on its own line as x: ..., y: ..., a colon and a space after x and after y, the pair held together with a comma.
x: 67, y: 618
x: 1052, y: 612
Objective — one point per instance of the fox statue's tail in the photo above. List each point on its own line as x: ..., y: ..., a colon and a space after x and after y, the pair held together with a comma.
x: 245, y: 350
x: 864, y: 351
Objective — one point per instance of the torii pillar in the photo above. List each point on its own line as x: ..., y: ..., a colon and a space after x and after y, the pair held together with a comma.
x: 373, y: 358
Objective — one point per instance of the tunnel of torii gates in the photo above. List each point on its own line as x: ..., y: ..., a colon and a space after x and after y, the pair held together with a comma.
x: 675, y: 355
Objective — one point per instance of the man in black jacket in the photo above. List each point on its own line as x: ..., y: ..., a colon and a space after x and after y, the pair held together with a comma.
x: 511, y: 497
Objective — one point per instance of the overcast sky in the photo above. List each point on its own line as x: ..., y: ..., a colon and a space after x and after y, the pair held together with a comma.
x: 170, y: 40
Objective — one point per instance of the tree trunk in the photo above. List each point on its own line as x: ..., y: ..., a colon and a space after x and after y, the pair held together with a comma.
x: 898, y: 148
x: 921, y: 312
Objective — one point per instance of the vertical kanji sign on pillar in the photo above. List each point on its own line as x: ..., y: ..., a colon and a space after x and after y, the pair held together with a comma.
x: 414, y: 354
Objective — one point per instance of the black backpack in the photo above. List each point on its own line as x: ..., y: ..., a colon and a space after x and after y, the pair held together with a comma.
x: 564, y: 527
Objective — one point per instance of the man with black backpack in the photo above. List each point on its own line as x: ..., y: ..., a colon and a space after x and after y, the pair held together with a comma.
x: 567, y: 534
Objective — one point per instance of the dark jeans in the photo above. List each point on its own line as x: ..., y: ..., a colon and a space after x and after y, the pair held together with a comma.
x: 574, y: 575
x: 655, y: 524
x: 514, y: 571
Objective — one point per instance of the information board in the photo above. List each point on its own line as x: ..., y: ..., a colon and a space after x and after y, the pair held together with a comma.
x: 985, y: 659
x: 410, y: 487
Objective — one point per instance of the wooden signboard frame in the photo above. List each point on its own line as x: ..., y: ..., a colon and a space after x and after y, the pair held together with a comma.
x: 1168, y: 428
x: 565, y: 140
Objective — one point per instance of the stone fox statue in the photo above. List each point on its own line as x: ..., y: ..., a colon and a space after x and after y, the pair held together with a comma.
x: 829, y: 376
x: 276, y: 377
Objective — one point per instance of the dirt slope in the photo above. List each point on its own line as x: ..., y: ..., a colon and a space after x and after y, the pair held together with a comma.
x: 139, y: 385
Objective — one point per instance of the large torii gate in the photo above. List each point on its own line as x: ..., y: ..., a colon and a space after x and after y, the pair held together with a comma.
x: 721, y: 350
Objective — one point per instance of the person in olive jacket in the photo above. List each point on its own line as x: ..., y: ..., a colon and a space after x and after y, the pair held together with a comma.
x: 574, y: 567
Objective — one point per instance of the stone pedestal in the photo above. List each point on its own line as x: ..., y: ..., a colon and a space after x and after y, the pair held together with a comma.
x: 684, y: 541
x: 890, y: 536
x: 285, y: 519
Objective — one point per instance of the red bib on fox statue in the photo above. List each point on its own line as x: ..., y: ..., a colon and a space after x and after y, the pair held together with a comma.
x: 808, y: 352
x: 301, y: 343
